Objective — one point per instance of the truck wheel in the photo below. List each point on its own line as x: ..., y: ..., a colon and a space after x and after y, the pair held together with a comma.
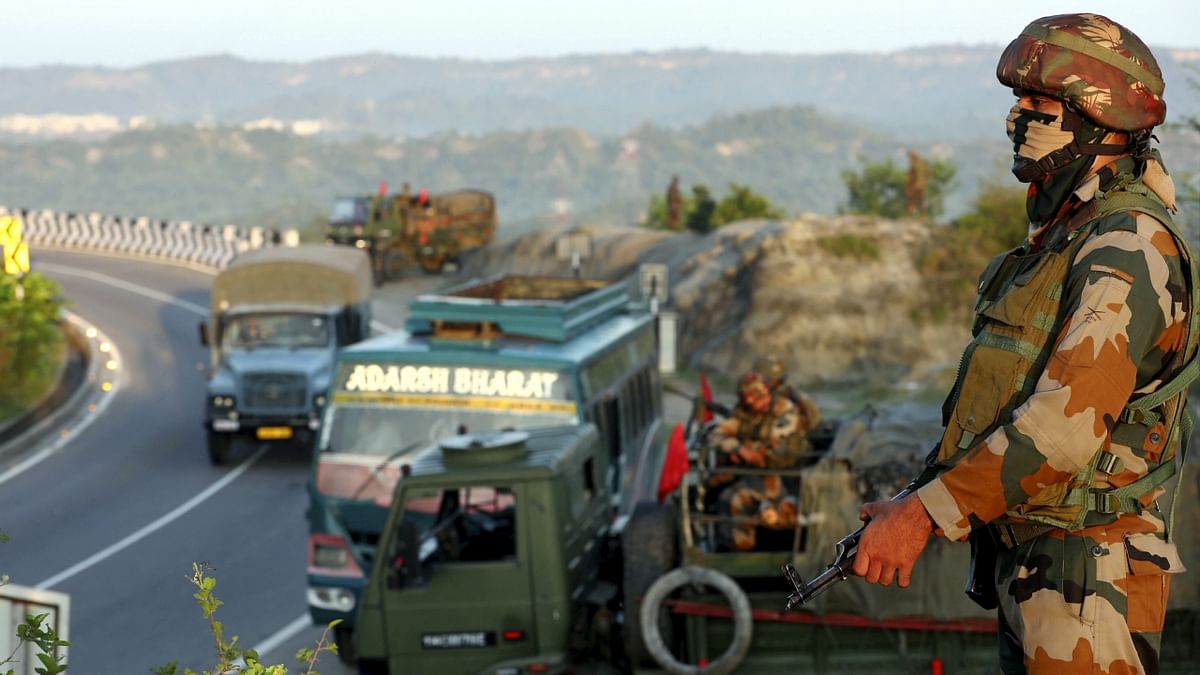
x: 743, y: 622
x: 220, y: 447
x: 650, y: 549
x: 344, y: 639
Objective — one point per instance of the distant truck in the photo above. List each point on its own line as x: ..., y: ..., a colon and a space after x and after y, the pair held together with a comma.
x: 278, y: 317
x: 402, y: 232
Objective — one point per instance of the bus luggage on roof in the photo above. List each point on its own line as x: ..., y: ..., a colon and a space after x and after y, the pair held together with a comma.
x: 546, y: 308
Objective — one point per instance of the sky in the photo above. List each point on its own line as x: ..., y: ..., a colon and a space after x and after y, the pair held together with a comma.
x: 125, y: 33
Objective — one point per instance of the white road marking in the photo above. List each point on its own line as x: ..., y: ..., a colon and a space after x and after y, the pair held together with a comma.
x: 157, y: 525
x: 284, y: 634
x: 125, y: 285
x: 84, y: 422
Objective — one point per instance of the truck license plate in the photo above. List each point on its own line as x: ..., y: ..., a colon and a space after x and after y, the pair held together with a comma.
x: 274, y: 433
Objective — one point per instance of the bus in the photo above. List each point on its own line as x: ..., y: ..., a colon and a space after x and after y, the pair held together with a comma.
x: 504, y: 353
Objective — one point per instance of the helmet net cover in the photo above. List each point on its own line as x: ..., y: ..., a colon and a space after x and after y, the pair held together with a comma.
x: 1094, y: 64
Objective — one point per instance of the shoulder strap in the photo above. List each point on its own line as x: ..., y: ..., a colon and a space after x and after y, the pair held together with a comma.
x: 1137, y: 198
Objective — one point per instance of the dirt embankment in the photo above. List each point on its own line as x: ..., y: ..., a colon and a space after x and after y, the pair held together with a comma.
x: 837, y: 298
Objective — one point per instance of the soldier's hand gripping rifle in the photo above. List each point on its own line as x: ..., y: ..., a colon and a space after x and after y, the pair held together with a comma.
x: 844, y: 553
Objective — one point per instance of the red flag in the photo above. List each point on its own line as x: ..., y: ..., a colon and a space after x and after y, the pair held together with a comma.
x: 706, y: 396
x: 383, y: 188
x: 675, y: 465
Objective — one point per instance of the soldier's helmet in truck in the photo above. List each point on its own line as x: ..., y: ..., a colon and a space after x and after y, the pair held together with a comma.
x: 278, y: 317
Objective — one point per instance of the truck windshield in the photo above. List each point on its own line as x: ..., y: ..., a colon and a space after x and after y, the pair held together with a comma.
x: 251, y: 331
x: 380, y: 430
x: 462, y: 525
x: 349, y: 210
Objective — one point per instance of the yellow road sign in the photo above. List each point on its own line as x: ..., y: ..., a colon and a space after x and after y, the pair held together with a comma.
x: 13, y: 250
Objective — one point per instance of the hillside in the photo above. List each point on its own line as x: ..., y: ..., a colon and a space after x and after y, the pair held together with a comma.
x: 944, y: 92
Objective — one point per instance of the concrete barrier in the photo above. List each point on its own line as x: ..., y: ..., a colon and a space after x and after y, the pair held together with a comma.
x: 212, y: 246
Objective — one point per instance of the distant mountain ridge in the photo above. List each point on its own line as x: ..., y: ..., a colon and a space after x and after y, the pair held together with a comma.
x: 264, y: 177
x: 942, y: 91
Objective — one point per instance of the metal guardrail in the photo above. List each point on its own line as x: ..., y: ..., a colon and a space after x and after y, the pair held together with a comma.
x: 212, y: 246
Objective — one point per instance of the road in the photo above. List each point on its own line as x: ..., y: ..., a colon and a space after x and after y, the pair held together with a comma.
x: 116, y: 516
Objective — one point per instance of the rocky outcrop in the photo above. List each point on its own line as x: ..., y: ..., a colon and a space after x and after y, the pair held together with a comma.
x: 837, y: 298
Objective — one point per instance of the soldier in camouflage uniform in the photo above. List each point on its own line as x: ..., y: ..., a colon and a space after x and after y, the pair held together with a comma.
x: 1070, y: 404
x: 762, y: 432
x: 775, y: 376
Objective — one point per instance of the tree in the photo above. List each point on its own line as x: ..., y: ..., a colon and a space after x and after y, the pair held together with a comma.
x: 997, y: 216
x: 702, y: 212
x: 699, y: 211
x: 743, y: 203
x: 880, y: 189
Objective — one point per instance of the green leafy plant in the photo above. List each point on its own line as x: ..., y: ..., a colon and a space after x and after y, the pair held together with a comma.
x: 228, y: 651
x: 701, y: 212
x: 44, y: 637
x: 879, y: 189
x: 850, y: 246
x: 30, y: 339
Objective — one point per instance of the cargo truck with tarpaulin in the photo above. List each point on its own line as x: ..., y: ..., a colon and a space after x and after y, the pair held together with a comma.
x: 402, y: 233
x: 278, y: 317
x: 511, y: 352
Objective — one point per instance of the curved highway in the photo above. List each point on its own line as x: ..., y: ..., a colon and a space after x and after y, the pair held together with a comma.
x: 117, y: 516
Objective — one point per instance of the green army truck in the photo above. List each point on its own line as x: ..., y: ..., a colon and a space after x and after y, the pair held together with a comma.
x: 403, y: 233
x: 499, y: 556
x: 278, y: 317
x: 495, y: 559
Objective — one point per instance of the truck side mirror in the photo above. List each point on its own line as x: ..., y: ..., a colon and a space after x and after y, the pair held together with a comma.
x: 203, y: 334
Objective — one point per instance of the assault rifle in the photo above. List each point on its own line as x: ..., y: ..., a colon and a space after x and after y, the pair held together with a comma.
x: 844, y: 552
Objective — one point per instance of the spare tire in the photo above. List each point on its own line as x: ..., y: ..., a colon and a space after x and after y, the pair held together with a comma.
x: 649, y: 549
x: 743, y: 622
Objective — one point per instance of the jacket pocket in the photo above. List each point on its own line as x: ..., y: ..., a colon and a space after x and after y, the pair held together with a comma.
x: 1151, y: 562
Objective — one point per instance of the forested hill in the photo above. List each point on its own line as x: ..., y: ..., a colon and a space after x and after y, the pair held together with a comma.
x: 262, y: 177
x: 947, y: 91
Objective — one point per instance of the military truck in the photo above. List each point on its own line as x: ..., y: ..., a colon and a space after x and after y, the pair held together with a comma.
x: 278, y: 317
x: 403, y: 233
x: 494, y: 559
x: 499, y: 555
x: 511, y: 351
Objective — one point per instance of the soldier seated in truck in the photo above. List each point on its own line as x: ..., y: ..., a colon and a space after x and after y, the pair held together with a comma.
x: 764, y: 431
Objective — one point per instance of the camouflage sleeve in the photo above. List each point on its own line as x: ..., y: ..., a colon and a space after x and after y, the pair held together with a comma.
x: 725, y: 435
x: 1122, y: 318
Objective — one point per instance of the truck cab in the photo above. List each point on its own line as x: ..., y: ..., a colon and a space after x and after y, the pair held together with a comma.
x: 278, y: 317
x: 493, y: 557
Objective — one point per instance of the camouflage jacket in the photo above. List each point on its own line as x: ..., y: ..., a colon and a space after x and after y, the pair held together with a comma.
x: 1122, y: 323
x: 778, y: 433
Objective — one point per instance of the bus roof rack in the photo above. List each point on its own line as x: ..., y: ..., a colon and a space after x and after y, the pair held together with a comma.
x: 546, y: 308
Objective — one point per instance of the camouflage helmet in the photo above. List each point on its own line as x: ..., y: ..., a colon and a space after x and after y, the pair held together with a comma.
x: 771, y: 368
x: 1096, y: 65
x: 751, y: 385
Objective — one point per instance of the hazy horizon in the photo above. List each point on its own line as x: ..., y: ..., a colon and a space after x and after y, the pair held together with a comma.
x: 134, y: 33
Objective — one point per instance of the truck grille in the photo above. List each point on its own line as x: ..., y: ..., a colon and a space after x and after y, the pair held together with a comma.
x: 274, y: 391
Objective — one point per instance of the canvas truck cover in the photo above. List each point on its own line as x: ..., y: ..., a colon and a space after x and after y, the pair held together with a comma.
x: 298, y: 275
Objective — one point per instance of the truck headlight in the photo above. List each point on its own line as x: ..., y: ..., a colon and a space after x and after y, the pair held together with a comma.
x: 222, y: 402
x: 319, y: 401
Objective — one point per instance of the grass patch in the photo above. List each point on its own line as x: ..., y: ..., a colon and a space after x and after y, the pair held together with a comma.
x: 850, y: 246
x: 17, y: 397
